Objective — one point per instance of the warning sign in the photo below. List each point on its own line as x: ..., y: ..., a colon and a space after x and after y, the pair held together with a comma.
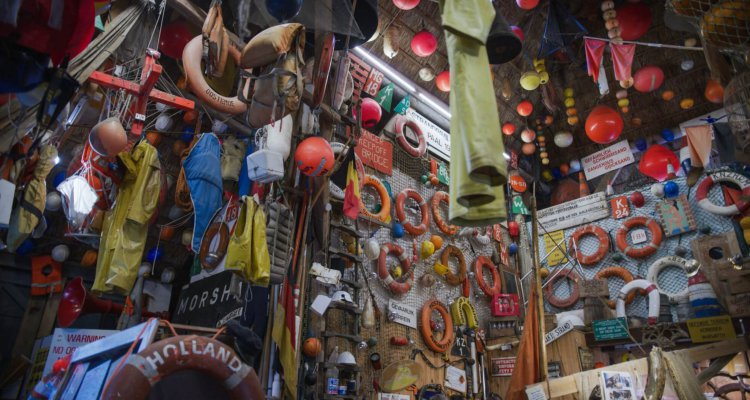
x: 556, y: 254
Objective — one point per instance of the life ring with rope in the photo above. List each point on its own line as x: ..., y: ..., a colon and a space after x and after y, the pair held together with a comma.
x: 740, y: 206
x: 653, y: 299
x: 658, y: 266
x: 450, y: 277
x: 401, y: 214
x: 385, y: 200
x: 425, y: 328
x: 480, y: 264
x: 549, y: 290
x: 639, y: 252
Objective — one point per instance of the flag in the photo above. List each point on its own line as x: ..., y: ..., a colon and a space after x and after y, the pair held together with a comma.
x: 385, y: 97
x: 285, y: 335
x: 594, y: 54
x: 403, y: 105
x: 529, y: 371
x: 622, y: 60
x: 699, y: 142
x: 351, y: 195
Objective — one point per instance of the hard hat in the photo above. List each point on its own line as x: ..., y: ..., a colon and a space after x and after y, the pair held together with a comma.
x: 346, y: 358
x: 342, y: 296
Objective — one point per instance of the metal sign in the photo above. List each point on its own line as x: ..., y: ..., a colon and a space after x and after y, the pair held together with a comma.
x: 558, y: 332
x: 610, y: 329
x: 208, y: 302
x: 612, y: 158
x: 517, y: 183
x: 403, y: 314
x: 518, y: 207
x: 503, y: 366
x: 375, y: 152
x: 573, y: 213
x: 460, y: 345
x: 556, y: 254
x: 620, y: 207
x: 372, y: 85
x: 711, y: 329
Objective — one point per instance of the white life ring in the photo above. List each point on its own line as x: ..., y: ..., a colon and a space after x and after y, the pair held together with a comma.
x: 653, y: 299
x: 704, y: 187
x: 658, y: 266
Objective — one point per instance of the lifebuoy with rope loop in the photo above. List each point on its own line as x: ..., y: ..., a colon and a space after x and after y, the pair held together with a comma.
x: 658, y: 266
x: 549, y: 290
x: 396, y: 287
x: 385, y: 200
x: 143, y: 370
x: 401, y: 214
x: 480, y: 264
x: 450, y: 277
x: 740, y: 206
x: 653, y: 299
x: 444, y: 227
x: 599, y: 254
x: 639, y: 252
x: 442, y: 345
x: 335, y: 190
x: 209, y: 258
x: 400, y: 128
x: 191, y: 61
x: 618, y: 272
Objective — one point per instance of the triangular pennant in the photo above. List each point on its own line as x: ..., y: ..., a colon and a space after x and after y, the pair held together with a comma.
x: 403, y: 105
x: 560, y: 30
x: 385, y: 97
x: 622, y: 60
x: 594, y: 54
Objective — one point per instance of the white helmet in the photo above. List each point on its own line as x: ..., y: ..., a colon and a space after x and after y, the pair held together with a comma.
x: 342, y: 296
x: 346, y: 358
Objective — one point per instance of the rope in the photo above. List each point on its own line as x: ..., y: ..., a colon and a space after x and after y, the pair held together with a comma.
x: 128, y: 353
x: 659, y: 45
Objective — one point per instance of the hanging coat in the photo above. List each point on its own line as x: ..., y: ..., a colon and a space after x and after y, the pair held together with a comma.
x: 247, y: 252
x: 477, y: 165
x: 125, y: 226
x: 203, y: 174
x: 30, y: 208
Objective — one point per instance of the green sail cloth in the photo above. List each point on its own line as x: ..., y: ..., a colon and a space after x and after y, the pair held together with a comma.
x: 477, y: 164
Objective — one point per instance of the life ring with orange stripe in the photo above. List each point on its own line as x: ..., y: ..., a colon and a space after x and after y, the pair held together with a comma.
x: 549, y: 290
x: 401, y: 215
x: 701, y: 194
x: 401, y: 124
x: 450, y: 277
x: 442, y: 345
x: 482, y: 263
x: 385, y: 200
x: 618, y: 272
x: 444, y: 227
x: 639, y: 252
x: 601, y: 251
x: 396, y: 287
x: 191, y: 61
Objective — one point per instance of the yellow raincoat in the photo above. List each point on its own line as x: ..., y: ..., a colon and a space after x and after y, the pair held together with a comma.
x: 247, y: 252
x: 125, y: 227
x: 30, y: 208
x: 477, y: 167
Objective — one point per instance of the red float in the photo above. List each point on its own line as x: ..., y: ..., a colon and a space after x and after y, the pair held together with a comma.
x: 314, y: 156
x: 655, y: 160
x: 371, y: 113
x: 173, y: 39
x: 518, y: 32
x: 443, y: 81
x: 603, y: 125
x: 714, y: 92
x: 637, y: 199
x: 509, y: 128
x: 648, y: 79
x: 527, y: 4
x: 634, y: 20
x: 406, y: 4
x: 423, y: 43
x: 525, y: 108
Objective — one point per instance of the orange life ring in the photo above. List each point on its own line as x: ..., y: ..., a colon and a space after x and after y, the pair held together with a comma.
x: 385, y: 200
x: 393, y: 285
x: 401, y: 124
x: 450, y: 277
x: 481, y: 263
x: 191, y: 61
x: 401, y: 215
x: 639, y: 252
x: 442, y: 345
x: 549, y: 290
x: 141, y: 371
x: 438, y: 197
x: 618, y: 272
x: 599, y: 254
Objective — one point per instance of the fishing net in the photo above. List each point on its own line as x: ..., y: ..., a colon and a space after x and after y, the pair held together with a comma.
x: 724, y: 24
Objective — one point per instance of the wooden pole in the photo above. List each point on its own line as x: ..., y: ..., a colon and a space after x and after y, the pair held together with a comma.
x: 538, y: 285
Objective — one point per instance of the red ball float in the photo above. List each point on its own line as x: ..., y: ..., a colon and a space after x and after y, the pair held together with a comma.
x: 634, y: 19
x: 655, y: 160
x: 423, y: 43
x: 714, y: 91
x: 314, y: 156
x: 637, y: 199
x: 518, y: 32
x: 443, y: 81
x: 509, y: 128
x: 406, y: 4
x: 525, y: 108
x: 173, y: 39
x: 648, y: 79
x: 603, y: 125
x: 527, y: 4
x: 371, y: 113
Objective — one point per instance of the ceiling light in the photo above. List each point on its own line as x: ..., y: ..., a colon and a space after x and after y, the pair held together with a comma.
x: 434, y: 105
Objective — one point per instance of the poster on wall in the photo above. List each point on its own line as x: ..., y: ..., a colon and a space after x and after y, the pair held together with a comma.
x: 676, y: 216
x: 554, y: 245
x: 503, y: 366
x: 455, y: 379
x: 610, y: 159
x: 617, y: 385
x: 573, y: 213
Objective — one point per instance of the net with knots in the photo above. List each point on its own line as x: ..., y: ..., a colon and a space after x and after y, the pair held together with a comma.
x: 724, y: 24
x: 737, y: 106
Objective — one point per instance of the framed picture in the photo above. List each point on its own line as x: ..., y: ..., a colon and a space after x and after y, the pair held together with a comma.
x: 505, y: 305
x: 503, y: 366
x: 617, y: 385
x: 676, y: 216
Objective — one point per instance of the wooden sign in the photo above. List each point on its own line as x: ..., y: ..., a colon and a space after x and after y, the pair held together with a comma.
x: 503, y: 366
x: 517, y: 183
x: 360, y: 73
x: 676, y: 216
x: 586, y: 357
x: 711, y: 329
x: 620, y: 207
x: 573, y: 213
x: 556, y: 254
x: 739, y: 304
x: 593, y: 288
x: 558, y: 332
x: 375, y: 152
x: 208, y: 302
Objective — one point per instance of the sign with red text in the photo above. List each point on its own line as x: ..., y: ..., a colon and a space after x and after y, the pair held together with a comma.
x: 620, y: 207
x: 503, y: 366
x: 372, y: 85
x: 375, y: 152
x: 610, y: 159
x: 65, y: 341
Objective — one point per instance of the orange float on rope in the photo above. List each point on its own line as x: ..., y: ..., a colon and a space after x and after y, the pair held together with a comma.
x: 549, y: 290
x: 442, y: 345
x: 396, y: 287
x: 191, y: 61
x: 599, y: 254
x: 400, y: 128
x: 641, y: 252
x: 618, y: 272
x: 482, y: 263
x: 401, y: 215
x: 385, y: 200
x: 450, y: 277
x: 444, y: 227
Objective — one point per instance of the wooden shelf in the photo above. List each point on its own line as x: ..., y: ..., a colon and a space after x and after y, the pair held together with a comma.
x: 346, y: 307
x: 348, y: 229
x: 351, y: 338
x: 345, y: 367
x: 344, y: 254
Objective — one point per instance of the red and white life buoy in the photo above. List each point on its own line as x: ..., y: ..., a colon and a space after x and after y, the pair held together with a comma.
x: 639, y: 252
x: 444, y: 227
x: 738, y: 207
x: 143, y: 370
x: 653, y: 299
x: 401, y: 214
x: 400, y: 127
x: 549, y: 290
x: 396, y: 287
x: 601, y: 251
x: 658, y: 266
x: 482, y: 263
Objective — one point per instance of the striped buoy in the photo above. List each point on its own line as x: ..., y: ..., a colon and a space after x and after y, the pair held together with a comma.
x: 702, y: 296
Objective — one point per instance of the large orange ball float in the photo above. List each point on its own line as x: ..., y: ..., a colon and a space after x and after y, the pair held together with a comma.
x: 311, y: 347
x: 714, y: 91
x: 423, y: 43
x: 166, y: 232
x: 634, y: 20
x: 528, y: 148
x: 527, y: 4
x: 443, y: 81
x: 89, y: 258
x: 525, y: 108
x: 509, y: 128
x: 314, y: 156
x: 648, y: 79
x: 154, y: 138
x: 603, y: 125
x: 655, y: 160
